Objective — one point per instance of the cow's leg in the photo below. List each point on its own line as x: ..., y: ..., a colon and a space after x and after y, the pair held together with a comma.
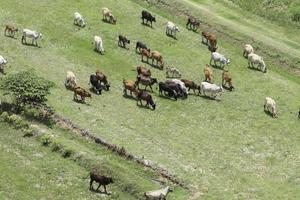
x: 91, y: 184
x: 215, y: 63
x: 105, y: 189
x: 98, y: 186
x: 141, y: 102
x: 75, y: 96
x: 210, y: 61
x: 151, y: 88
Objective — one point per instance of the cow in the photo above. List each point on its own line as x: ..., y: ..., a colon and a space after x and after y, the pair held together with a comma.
x: 148, y: 17
x: 171, y: 29
x: 208, y: 74
x: 205, y: 36
x: 174, y: 72
x: 11, y: 30
x: 103, y: 80
x: 140, y: 45
x: 191, y: 85
x: 96, y: 84
x: 108, y: 16
x: 82, y: 93
x: 158, y: 194
x: 143, y: 95
x: 31, y: 34
x: 141, y: 70
x: 155, y: 55
x: 169, y: 88
x: 211, y: 88
x: 217, y: 57
x: 227, y: 79
x: 123, y: 41
x: 184, y: 90
x: 270, y: 106
x: 212, y: 42
x: 258, y: 60
x: 102, y: 180
x: 247, y: 50
x: 146, y: 53
x: 78, y: 20
x: 192, y: 23
x: 144, y: 80
x: 98, y: 44
x: 129, y: 85
x: 3, y: 62
x: 70, y: 82
x: 299, y: 114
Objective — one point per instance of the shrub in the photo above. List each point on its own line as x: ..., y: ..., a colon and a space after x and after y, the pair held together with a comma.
x: 47, y: 139
x: 67, y: 153
x: 4, y: 116
x: 28, y: 133
x: 295, y: 10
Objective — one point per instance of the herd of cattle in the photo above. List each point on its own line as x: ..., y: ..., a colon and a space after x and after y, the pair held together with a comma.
x: 173, y: 88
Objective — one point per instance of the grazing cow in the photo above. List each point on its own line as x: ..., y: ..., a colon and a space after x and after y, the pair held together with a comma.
x: 191, y: 85
x: 141, y: 70
x: 212, y: 42
x: 217, y: 57
x: 129, y: 85
x: 299, y: 114
x: 192, y: 23
x: 31, y: 34
x: 11, y: 30
x: 123, y: 41
x: 108, y: 16
x: 148, y: 17
x: 102, y: 180
x: 168, y: 88
x: 175, y: 73
x: 171, y: 29
x: 70, y: 82
x: 256, y: 59
x: 98, y: 42
x: 247, y: 50
x: 211, y: 88
x: 144, y: 80
x: 208, y: 74
x: 145, y: 53
x: 205, y: 36
x: 140, y: 45
x: 155, y: 55
x: 158, y: 194
x: 3, y: 62
x: 103, y: 80
x: 270, y: 106
x: 226, y: 79
x: 82, y: 93
x: 96, y: 84
x: 184, y: 91
x: 143, y: 95
x: 78, y: 19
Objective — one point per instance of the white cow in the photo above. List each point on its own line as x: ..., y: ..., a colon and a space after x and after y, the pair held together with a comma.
x: 173, y: 71
x: 270, y: 106
x: 108, y: 16
x: 160, y: 194
x: 78, y: 19
x: 2, y: 63
x: 247, y: 50
x: 211, y: 88
x: 98, y: 42
x: 171, y: 29
x: 258, y: 60
x: 182, y: 86
x: 34, y: 35
x: 217, y: 57
x: 70, y: 80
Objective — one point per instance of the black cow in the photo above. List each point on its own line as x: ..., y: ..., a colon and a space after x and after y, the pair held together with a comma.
x: 102, y: 180
x: 148, y: 17
x: 123, y: 41
x: 96, y: 84
x: 192, y: 23
x: 166, y: 88
x: 140, y: 45
x: 143, y: 95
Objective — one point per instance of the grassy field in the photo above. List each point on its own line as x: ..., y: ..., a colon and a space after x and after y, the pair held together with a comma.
x: 222, y: 149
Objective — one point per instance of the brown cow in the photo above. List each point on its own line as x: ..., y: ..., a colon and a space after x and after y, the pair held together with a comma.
x: 146, y: 53
x: 102, y: 180
x: 82, y: 93
x: 208, y: 73
x: 192, y: 23
x: 226, y: 79
x: 129, y: 85
x: 191, y: 85
x: 143, y: 95
x: 141, y: 70
x: 11, y: 30
x: 210, y: 40
x: 103, y: 79
x: 155, y: 55
x: 144, y: 80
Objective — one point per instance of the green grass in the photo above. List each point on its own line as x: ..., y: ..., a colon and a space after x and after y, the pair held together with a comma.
x: 225, y: 149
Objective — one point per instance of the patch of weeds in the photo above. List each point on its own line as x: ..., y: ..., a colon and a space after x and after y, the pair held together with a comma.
x: 47, y: 139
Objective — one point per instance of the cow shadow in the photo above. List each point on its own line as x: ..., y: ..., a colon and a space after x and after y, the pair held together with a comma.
x: 99, y: 192
x: 209, y: 98
x: 98, y: 52
x: 253, y: 68
x: 81, y: 102
x: 94, y: 92
x: 144, y: 106
x: 147, y: 25
x: 128, y: 96
x: 107, y: 22
x: 217, y: 67
x: 228, y: 88
x: 123, y: 47
x: 167, y: 97
x: 10, y: 36
x: 268, y: 113
x: 31, y: 45
x: 172, y: 36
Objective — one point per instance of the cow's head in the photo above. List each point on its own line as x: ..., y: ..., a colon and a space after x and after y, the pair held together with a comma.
x: 153, y: 19
x: 227, y: 61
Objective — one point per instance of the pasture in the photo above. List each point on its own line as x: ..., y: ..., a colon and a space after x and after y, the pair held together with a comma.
x: 223, y: 149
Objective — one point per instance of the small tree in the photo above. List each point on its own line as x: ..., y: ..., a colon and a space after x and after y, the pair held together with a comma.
x: 27, y: 88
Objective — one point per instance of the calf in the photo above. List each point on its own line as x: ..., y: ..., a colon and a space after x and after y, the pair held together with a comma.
x: 145, y: 53
x: 82, y: 93
x: 103, y: 80
x: 108, y: 16
x: 96, y: 84
x: 70, y: 82
x: 129, y: 85
x: 155, y: 55
x: 191, y: 85
x: 98, y: 42
x: 211, y: 88
x: 270, y: 106
x: 141, y: 70
x: 192, y: 23
x: 167, y: 88
x: 175, y: 73
x: 158, y: 194
x: 143, y: 95
x: 11, y: 30
x: 256, y: 59
x: 78, y: 19
x: 123, y: 41
x: 208, y: 74
x: 226, y: 79
x: 31, y: 34
x: 217, y: 57
x: 102, y: 180
x: 140, y: 45
x: 147, y: 81
x: 148, y: 17
x: 171, y: 29
x: 247, y: 50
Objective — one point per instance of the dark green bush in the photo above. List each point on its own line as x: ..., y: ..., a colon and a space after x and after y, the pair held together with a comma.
x: 295, y: 10
x: 47, y: 139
